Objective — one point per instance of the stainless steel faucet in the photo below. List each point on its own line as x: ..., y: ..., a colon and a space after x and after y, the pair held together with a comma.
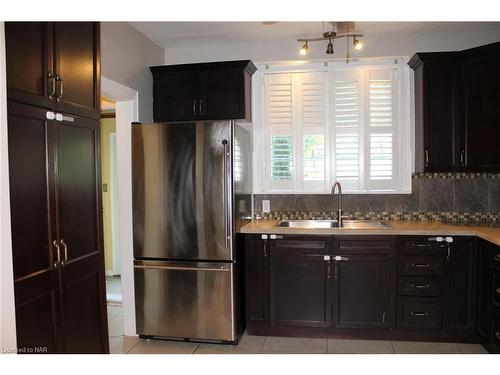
x: 339, y: 201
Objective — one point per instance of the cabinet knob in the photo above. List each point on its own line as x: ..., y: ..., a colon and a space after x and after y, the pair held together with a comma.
x: 264, y: 236
x: 326, y: 258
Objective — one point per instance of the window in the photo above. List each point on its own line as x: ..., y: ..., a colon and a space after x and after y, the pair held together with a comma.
x: 334, y: 123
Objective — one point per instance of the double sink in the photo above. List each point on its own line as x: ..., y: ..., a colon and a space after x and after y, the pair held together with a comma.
x: 325, y: 224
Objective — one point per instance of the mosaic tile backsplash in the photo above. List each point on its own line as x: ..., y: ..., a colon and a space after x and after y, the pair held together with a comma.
x: 468, y: 197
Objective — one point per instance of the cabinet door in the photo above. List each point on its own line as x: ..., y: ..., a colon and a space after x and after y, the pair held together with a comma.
x: 364, y: 292
x: 222, y: 94
x: 459, y: 301
x: 439, y: 120
x: 31, y: 201
x: 175, y: 96
x: 80, y: 231
x: 483, y: 112
x: 256, y: 279
x: 484, y: 252
x: 300, y: 290
x: 77, y: 65
x: 30, y: 73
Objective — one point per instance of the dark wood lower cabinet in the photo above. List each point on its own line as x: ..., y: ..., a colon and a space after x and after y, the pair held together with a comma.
x: 256, y: 279
x: 300, y: 289
x: 460, y: 289
x: 387, y: 287
x: 56, y: 232
x: 364, y: 292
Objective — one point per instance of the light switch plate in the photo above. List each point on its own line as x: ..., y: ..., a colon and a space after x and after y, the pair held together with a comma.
x: 266, y: 206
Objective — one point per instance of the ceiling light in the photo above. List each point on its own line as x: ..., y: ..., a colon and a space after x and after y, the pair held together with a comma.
x: 357, y: 44
x: 303, y: 50
x: 329, y: 48
x: 339, y: 30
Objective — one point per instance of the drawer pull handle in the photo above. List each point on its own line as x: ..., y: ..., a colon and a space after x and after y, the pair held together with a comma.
x: 416, y: 313
x: 420, y: 286
x: 422, y: 245
x: 420, y: 265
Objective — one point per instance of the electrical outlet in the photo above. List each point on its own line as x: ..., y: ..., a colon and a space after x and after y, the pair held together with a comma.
x: 266, y: 206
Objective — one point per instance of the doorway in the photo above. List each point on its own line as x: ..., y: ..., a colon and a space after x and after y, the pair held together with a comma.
x: 109, y: 217
x: 125, y: 102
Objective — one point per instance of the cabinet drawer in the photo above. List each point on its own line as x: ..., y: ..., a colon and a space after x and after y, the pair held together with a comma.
x: 298, y: 244
x: 420, y: 266
x: 419, y: 286
x: 419, y: 312
x: 358, y: 245
x: 495, y: 298
x: 420, y: 246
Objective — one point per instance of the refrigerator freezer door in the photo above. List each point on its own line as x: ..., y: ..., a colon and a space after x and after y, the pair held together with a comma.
x: 185, y: 300
x: 182, y: 191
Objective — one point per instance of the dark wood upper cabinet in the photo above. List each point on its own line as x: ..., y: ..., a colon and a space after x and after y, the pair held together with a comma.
x: 174, y: 97
x: 54, y: 65
x: 457, y: 123
x: 77, y: 68
x: 205, y: 91
x: 29, y: 61
x: 482, y: 113
x: 435, y: 86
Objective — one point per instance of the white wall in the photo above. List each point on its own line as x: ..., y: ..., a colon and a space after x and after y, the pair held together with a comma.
x: 375, y: 45
x: 7, y: 310
x: 126, y: 55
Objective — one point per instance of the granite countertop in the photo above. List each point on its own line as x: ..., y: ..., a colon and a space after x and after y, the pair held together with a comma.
x: 433, y: 228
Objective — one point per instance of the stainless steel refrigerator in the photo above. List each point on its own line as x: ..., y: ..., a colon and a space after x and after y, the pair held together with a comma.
x: 191, y: 193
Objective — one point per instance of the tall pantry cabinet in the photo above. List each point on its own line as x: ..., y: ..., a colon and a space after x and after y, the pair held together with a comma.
x: 53, y: 90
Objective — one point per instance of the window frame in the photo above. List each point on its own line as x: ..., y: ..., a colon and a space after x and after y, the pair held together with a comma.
x: 403, y: 151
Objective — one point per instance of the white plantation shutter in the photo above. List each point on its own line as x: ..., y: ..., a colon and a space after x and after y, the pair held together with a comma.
x: 382, y: 104
x: 296, y: 121
x: 278, y: 121
x: 347, y: 126
x: 342, y: 124
x: 311, y: 92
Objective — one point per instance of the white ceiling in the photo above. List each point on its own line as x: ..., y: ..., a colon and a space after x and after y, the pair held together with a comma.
x: 175, y: 34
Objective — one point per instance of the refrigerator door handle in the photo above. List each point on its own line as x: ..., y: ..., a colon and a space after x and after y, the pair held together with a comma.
x: 181, y: 268
x: 226, y: 193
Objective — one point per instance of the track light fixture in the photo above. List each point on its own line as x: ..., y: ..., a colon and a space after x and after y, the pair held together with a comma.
x: 303, y: 50
x: 340, y: 30
x: 357, y: 44
x: 329, y: 48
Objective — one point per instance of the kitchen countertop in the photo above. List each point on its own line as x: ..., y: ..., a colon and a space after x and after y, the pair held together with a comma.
x: 432, y: 228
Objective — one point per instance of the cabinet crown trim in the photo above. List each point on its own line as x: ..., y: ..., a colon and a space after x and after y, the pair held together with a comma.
x: 247, y: 65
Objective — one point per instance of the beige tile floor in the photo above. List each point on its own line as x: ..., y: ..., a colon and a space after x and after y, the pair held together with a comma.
x: 120, y: 344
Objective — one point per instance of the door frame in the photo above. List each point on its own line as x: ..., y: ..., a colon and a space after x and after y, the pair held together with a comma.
x: 127, y: 111
x: 8, y: 338
x: 114, y: 204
